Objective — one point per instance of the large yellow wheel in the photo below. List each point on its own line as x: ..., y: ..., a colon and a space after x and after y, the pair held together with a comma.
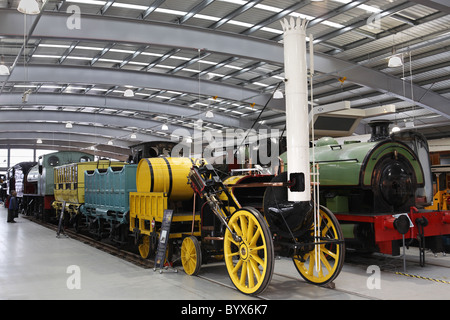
x: 322, y: 265
x: 191, y: 255
x: 249, y: 259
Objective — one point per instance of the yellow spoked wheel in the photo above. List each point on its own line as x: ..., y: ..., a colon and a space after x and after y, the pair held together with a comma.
x: 249, y: 259
x: 191, y: 255
x: 322, y: 265
x: 145, y: 247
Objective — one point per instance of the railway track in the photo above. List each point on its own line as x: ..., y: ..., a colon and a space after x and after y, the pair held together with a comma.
x: 106, y: 247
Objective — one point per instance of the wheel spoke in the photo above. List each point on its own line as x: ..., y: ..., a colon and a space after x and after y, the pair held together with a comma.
x: 326, y: 228
x: 325, y: 262
x: 258, y: 259
x: 236, y: 229
x: 237, y: 266
x: 250, y: 229
x: 329, y: 253
x: 244, y: 225
x: 243, y: 273
x: 229, y: 237
x: 250, y: 273
x: 255, y: 269
x: 255, y: 237
x: 233, y: 254
x: 257, y: 248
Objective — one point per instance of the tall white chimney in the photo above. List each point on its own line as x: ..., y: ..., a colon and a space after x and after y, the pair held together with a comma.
x: 296, y: 91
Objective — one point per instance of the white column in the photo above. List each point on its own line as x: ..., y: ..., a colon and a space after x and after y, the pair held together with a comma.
x: 296, y: 91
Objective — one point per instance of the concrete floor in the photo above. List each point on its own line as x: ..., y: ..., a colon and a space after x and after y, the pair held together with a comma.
x: 34, y: 264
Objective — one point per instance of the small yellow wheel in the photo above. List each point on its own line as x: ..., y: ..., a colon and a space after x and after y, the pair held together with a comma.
x: 250, y: 258
x: 191, y: 255
x: 330, y: 257
x: 144, y: 247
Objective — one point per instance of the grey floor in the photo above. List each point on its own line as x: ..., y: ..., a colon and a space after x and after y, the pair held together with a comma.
x: 34, y: 264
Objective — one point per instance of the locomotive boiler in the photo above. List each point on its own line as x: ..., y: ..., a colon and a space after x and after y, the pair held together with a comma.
x: 381, y: 175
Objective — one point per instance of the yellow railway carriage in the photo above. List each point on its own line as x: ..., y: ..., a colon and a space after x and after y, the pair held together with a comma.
x: 162, y: 183
x: 69, y: 183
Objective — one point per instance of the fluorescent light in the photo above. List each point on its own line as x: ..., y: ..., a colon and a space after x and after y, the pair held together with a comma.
x: 369, y: 8
x: 46, y: 56
x: 260, y: 84
x: 99, y: 3
x: 53, y: 45
x: 169, y: 11
x: 130, y: 6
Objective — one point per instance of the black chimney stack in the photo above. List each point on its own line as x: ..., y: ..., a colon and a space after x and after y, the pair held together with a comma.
x: 380, y: 130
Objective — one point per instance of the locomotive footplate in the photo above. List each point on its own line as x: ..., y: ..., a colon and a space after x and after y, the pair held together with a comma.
x: 386, y: 231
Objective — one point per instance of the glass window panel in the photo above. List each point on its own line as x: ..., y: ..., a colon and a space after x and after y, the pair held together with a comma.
x: 21, y: 155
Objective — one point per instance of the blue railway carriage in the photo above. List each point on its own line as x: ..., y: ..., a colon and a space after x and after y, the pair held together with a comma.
x: 106, y: 205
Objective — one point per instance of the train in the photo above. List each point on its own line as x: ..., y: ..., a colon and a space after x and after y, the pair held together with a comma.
x: 371, y: 196
x: 39, y: 182
x: 16, y: 180
x: 381, y: 190
x: 93, y: 194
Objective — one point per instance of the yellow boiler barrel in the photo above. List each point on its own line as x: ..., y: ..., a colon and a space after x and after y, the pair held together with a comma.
x: 165, y: 174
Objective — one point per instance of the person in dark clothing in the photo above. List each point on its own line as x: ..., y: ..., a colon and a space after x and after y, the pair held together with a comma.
x: 13, y: 207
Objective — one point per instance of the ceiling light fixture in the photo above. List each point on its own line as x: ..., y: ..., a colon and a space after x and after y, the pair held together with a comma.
x: 69, y: 125
x: 133, y: 136
x: 209, y: 114
x: 39, y: 141
x: 278, y: 94
x: 4, y: 70
x: 395, y: 61
x: 26, y: 95
x: 28, y: 7
x: 165, y: 127
x: 110, y: 143
x: 128, y: 93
